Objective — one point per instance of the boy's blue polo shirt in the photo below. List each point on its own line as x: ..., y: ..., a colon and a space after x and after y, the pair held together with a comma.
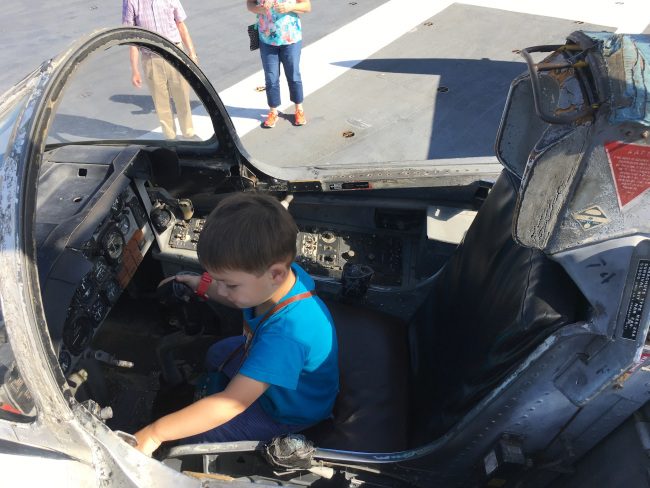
x: 296, y: 353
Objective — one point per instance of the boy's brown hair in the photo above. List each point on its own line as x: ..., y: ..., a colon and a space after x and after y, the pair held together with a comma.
x: 247, y: 232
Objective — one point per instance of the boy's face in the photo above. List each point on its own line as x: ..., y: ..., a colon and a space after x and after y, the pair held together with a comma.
x: 245, y: 290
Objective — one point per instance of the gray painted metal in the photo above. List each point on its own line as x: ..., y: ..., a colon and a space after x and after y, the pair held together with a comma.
x: 570, y: 173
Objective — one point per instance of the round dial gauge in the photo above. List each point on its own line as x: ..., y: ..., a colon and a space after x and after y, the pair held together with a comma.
x: 112, y: 291
x: 99, y: 310
x: 112, y: 244
x: 328, y: 237
x: 86, y: 290
x: 77, y: 333
x: 101, y: 271
x: 161, y: 218
x: 124, y: 224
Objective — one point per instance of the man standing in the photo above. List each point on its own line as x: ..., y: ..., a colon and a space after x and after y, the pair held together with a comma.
x: 167, y: 18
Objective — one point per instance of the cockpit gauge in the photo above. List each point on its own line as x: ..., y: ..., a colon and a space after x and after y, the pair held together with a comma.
x: 77, y: 333
x: 124, y: 224
x: 328, y: 237
x: 65, y: 361
x: 112, y: 291
x: 86, y: 290
x: 112, y: 244
x: 161, y: 218
x: 117, y: 207
x: 101, y: 271
x: 99, y: 310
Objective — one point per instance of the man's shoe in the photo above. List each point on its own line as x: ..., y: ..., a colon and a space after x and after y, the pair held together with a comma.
x: 270, y: 121
x: 300, y: 118
x: 193, y: 137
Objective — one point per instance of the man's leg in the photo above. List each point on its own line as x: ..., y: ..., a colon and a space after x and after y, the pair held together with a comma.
x: 154, y: 74
x: 180, y: 91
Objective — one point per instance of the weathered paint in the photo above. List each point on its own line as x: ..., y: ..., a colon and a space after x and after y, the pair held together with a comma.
x: 636, y: 56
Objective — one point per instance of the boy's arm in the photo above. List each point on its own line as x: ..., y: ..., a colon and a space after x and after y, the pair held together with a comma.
x: 206, y: 414
x: 193, y: 282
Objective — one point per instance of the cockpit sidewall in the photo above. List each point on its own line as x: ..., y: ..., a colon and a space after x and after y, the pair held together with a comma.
x: 20, y: 294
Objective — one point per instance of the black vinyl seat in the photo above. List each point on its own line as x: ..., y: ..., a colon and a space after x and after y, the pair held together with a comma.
x: 372, y: 408
x: 491, y: 305
x: 404, y: 385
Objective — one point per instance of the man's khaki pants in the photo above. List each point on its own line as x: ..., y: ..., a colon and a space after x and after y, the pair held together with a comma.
x: 164, y: 81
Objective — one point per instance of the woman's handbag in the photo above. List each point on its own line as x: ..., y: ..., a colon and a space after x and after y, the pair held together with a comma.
x: 254, y: 37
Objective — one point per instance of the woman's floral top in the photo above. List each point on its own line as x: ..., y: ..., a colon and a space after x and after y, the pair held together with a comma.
x: 279, y: 29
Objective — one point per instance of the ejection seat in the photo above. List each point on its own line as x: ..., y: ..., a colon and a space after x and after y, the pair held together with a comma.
x: 405, y: 384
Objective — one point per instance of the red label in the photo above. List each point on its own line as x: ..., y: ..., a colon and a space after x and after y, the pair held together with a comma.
x: 9, y: 408
x: 630, y: 164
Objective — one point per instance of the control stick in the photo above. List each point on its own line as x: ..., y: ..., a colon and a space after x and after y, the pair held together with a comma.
x: 355, y: 280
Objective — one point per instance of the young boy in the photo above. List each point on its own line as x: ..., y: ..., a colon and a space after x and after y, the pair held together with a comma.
x: 284, y: 370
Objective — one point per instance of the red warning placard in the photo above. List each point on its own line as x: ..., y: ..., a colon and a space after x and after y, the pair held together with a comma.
x: 630, y: 164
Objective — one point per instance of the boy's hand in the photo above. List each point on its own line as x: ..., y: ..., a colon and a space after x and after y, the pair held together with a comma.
x: 190, y: 280
x: 203, y: 415
x: 147, y: 442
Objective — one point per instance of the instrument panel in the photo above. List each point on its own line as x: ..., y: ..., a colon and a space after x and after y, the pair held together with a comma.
x: 321, y: 251
x: 325, y: 252
x: 185, y: 234
x: 91, y: 231
x: 116, y: 248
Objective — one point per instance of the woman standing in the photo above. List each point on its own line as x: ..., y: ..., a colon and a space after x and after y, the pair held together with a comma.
x: 280, y: 34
